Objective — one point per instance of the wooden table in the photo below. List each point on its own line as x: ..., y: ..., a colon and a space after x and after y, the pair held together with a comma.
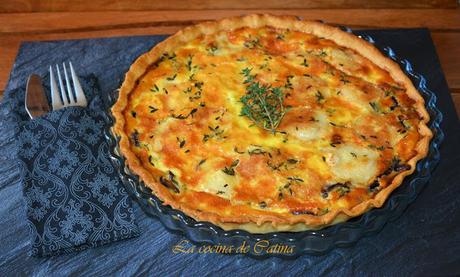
x: 26, y: 20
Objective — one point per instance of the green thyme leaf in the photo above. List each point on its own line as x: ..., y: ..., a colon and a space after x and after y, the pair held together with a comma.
x: 319, y: 96
x: 152, y: 109
x: 230, y: 170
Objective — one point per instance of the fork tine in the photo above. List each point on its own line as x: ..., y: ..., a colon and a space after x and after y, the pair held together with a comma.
x: 80, y: 95
x: 55, y: 98
x: 71, y: 98
x: 65, y: 98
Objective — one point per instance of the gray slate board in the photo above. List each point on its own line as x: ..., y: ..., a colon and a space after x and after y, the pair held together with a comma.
x: 424, y: 240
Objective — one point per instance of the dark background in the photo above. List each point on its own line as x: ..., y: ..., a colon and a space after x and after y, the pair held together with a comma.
x: 425, y: 240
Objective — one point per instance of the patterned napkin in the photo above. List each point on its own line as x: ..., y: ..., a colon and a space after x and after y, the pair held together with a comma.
x: 74, y: 197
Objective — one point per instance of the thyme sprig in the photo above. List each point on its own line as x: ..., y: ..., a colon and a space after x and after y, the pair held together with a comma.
x: 263, y: 104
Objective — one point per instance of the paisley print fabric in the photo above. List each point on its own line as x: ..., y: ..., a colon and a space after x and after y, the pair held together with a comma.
x: 74, y: 197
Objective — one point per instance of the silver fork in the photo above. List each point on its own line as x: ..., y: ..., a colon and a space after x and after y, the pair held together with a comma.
x: 64, y: 97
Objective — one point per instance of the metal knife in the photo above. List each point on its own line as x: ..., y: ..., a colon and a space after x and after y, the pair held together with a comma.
x: 36, y: 103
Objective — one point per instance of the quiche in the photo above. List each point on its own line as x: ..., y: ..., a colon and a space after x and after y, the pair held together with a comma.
x: 269, y: 123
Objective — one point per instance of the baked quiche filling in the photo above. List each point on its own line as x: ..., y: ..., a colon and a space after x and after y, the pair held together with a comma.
x: 269, y: 123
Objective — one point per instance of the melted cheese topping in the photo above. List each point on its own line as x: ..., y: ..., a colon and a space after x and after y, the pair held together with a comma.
x: 348, y: 130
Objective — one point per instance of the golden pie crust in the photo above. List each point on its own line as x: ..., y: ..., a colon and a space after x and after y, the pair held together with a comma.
x: 354, y: 126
